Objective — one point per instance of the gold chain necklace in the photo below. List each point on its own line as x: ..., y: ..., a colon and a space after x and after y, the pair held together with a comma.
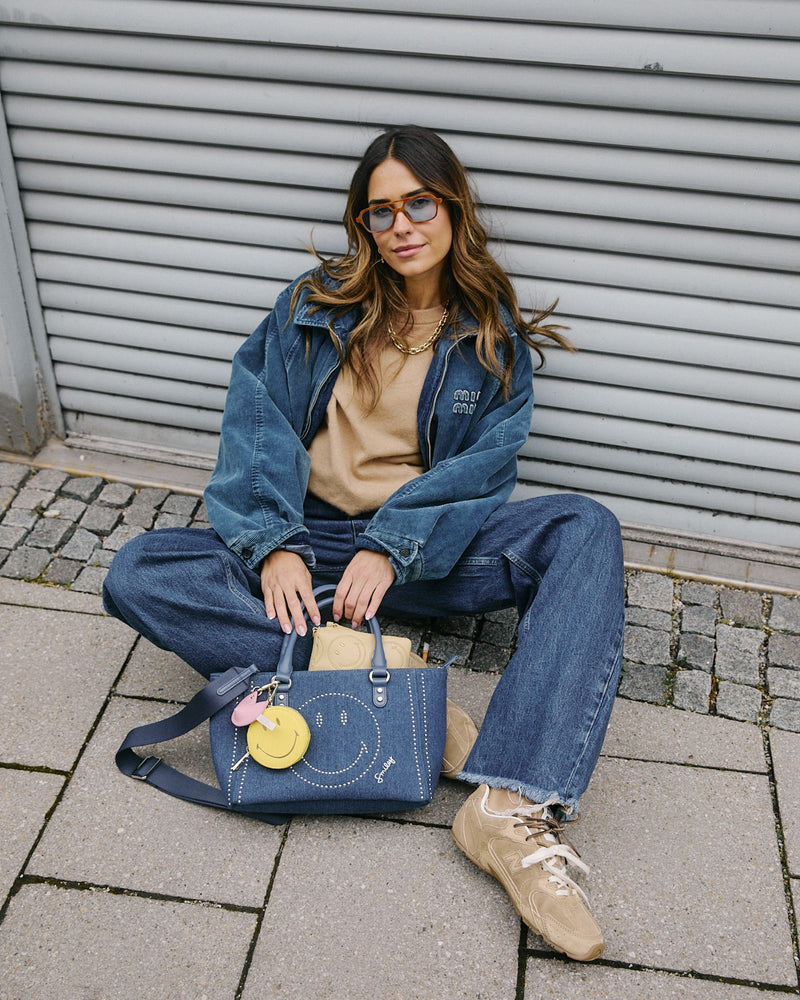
x: 405, y: 349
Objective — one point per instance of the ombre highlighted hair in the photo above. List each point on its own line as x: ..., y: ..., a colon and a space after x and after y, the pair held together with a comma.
x: 472, y: 280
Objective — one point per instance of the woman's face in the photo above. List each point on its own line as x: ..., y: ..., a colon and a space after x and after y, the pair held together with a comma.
x: 417, y: 251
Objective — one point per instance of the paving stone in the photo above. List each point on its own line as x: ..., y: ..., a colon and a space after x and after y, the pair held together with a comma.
x: 785, y: 747
x: 139, y: 514
x: 679, y: 905
x: 7, y: 494
x: 784, y: 651
x: 738, y: 654
x: 557, y: 980
x: 658, y: 620
x: 90, y: 580
x: 100, y: 520
x: 699, y: 618
x: 124, y: 533
x: 651, y: 590
x: 507, y: 615
x: 50, y: 534
x: 647, y: 732
x: 11, y: 534
x: 698, y: 593
x: 462, y: 625
x: 696, y: 651
x: 782, y: 682
x: 13, y: 474
x: 67, y: 508
x: 153, y: 496
x: 20, y: 518
x: 156, y: 673
x: 644, y: 645
x: 54, y: 658
x: 85, y: 488
x: 499, y: 633
x: 26, y: 563
x: 338, y: 865
x: 102, y: 557
x: 25, y: 798
x: 60, y: 942
x: 81, y: 545
x: 785, y: 613
x: 471, y: 690
x: 172, y: 521
x: 661, y: 621
x: 28, y: 499
x: 785, y: 714
x: 741, y: 606
x: 4, y: 554
x: 737, y: 701
x: 443, y: 647
x: 644, y: 683
x: 116, y: 494
x: 48, y: 479
x: 34, y: 595
x: 692, y: 690
x: 62, y: 571
x: 180, y: 503
x: 493, y: 659
x: 145, y: 840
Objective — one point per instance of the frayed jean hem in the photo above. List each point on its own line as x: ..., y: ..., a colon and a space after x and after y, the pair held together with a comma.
x: 564, y: 811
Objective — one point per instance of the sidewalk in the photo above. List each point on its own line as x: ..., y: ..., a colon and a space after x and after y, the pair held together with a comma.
x: 111, y: 891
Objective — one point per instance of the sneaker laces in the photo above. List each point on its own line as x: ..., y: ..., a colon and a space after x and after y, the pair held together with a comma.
x: 555, y: 851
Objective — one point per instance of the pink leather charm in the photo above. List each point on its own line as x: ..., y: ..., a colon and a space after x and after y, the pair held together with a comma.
x: 248, y: 710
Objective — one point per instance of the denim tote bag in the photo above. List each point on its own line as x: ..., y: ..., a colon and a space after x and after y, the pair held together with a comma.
x: 376, y: 738
x: 376, y: 744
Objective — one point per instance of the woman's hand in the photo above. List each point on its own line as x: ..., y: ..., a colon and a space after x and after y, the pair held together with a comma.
x: 360, y: 591
x: 287, y: 587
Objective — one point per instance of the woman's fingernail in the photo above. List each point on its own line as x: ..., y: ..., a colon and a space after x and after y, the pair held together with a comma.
x: 336, y: 617
x: 301, y: 630
x: 287, y: 628
x: 316, y: 619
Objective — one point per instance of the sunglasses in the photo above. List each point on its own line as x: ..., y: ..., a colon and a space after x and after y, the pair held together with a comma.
x: 418, y: 208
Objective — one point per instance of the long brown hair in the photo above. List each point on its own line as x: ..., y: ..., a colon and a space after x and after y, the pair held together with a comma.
x: 472, y: 279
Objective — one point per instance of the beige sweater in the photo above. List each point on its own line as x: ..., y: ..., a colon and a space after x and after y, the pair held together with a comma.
x: 359, y: 458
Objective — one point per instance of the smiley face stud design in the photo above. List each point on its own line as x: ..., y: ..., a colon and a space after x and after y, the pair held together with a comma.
x: 278, y: 738
x: 346, y: 744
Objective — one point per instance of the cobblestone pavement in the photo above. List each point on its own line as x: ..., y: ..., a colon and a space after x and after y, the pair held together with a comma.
x: 714, y: 650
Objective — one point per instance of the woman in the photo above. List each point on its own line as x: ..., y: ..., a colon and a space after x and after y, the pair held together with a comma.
x: 369, y: 439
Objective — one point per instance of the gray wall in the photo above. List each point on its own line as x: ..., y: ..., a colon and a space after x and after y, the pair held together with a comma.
x: 637, y: 161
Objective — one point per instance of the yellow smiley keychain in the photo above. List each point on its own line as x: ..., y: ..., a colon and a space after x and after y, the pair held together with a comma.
x: 279, y: 737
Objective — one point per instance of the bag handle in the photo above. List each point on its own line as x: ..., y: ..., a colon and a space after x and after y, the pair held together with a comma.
x: 378, y: 675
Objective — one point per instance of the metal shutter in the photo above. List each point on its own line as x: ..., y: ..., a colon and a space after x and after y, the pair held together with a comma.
x: 639, y: 163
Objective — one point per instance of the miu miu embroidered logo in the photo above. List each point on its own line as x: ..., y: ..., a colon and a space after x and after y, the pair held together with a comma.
x: 386, y: 765
x: 464, y: 401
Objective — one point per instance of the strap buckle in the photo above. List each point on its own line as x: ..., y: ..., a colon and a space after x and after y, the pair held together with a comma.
x: 143, y: 771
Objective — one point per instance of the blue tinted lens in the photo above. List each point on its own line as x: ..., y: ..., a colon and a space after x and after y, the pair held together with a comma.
x: 421, y: 209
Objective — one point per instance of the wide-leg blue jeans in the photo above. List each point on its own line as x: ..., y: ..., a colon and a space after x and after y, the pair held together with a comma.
x: 558, y: 559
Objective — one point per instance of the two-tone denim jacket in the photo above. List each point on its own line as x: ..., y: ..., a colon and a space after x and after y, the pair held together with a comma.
x: 281, y: 381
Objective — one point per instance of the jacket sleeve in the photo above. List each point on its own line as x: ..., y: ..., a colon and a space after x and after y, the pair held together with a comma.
x: 426, y: 525
x: 255, y: 495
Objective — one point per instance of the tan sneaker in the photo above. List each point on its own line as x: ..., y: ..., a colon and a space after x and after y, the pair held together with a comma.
x: 525, y: 850
x: 461, y: 735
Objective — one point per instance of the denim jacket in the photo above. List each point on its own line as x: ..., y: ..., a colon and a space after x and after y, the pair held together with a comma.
x: 281, y: 381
